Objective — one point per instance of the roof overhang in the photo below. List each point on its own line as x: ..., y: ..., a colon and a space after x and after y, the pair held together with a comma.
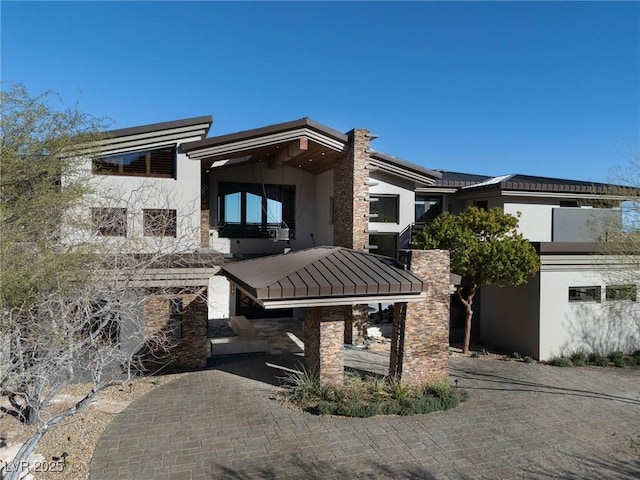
x: 302, y: 143
x: 324, y: 276
x: 155, y: 135
x: 335, y: 301
x: 403, y: 169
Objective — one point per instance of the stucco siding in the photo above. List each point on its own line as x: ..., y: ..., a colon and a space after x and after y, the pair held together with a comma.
x: 509, y: 317
x: 323, y: 231
x: 567, y: 326
x: 389, y: 185
x: 181, y: 194
x: 535, y: 220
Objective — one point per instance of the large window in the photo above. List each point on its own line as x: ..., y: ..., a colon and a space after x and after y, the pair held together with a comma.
x: 159, y: 222
x: 110, y: 222
x: 584, y: 294
x: 160, y: 162
x: 427, y: 208
x: 385, y: 207
x: 387, y: 244
x: 251, y: 210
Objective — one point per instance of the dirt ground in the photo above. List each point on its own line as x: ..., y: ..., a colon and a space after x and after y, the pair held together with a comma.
x: 78, y: 435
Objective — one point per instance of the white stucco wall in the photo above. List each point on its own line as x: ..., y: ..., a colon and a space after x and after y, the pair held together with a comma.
x: 138, y: 193
x: 565, y: 326
x: 323, y: 230
x: 535, y: 219
x: 218, y: 300
x: 389, y: 185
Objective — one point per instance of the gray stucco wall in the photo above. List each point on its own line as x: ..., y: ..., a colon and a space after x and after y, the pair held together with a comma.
x: 510, y: 317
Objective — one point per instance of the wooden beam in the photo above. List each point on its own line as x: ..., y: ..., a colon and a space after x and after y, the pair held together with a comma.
x: 291, y: 151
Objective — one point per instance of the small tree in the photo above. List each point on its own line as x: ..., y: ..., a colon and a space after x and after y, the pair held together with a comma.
x: 485, y: 248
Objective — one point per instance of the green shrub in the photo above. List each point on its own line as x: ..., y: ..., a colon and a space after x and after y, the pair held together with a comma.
x: 595, y: 358
x: 302, y: 386
x: 579, y: 358
x: 367, y: 396
x: 617, y: 358
x: 527, y: 359
x: 560, y: 362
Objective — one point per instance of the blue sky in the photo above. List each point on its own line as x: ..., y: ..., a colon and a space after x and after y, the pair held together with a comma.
x: 545, y: 88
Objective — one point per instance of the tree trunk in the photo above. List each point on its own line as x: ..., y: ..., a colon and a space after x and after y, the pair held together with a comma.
x: 468, y: 305
x: 15, y: 473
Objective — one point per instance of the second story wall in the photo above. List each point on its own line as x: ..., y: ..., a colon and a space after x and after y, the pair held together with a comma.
x: 258, y: 175
x: 147, y: 213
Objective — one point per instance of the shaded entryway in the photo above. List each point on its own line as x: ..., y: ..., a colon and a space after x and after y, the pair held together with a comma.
x: 325, y: 280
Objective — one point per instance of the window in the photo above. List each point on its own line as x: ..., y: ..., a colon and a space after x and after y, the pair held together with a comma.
x: 175, y: 317
x: 621, y: 292
x: 385, y: 207
x: 160, y: 162
x: 110, y: 222
x: 387, y: 244
x: 251, y: 210
x: 158, y: 222
x: 481, y: 204
x: 584, y: 294
x: 427, y: 208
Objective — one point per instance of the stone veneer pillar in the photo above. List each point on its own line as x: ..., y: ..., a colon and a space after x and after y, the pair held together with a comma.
x: 420, y: 338
x: 323, y: 343
x: 191, y: 350
x: 204, y: 228
x: 350, y: 220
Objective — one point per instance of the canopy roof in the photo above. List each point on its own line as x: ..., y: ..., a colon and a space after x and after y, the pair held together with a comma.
x: 324, y: 276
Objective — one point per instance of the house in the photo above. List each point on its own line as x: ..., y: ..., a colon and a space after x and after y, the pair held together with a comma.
x: 297, y: 185
x: 580, y: 298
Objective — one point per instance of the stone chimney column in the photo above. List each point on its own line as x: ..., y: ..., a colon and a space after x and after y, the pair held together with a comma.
x: 420, y: 338
x: 351, y: 222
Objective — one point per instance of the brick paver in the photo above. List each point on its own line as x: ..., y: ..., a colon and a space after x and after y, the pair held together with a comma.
x: 521, y: 421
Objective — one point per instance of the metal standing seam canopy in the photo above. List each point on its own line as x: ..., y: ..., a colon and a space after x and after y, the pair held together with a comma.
x: 324, y: 276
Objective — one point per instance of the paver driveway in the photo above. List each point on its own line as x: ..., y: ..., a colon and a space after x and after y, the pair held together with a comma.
x: 521, y: 421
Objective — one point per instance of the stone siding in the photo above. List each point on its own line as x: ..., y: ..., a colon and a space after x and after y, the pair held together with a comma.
x: 351, y: 222
x: 350, y: 191
x: 191, y: 350
x: 204, y: 228
x: 420, y: 339
x: 323, y: 343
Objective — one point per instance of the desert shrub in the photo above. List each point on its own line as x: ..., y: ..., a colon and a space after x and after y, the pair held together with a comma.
x: 527, y: 359
x: 595, y: 358
x: 368, y: 396
x: 579, y: 358
x: 617, y: 358
x: 560, y: 362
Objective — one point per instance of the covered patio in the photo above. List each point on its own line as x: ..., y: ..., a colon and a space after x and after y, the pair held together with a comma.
x: 327, y: 281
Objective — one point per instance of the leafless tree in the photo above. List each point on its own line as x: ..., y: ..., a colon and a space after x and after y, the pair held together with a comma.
x: 72, y: 300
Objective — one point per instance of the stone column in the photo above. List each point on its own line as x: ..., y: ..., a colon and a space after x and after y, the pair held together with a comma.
x: 420, y: 339
x: 193, y: 348
x: 350, y: 221
x: 323, y: 343
x: 204, y: 228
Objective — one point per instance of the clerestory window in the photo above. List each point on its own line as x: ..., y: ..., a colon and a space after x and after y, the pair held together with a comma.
x: 159, y: 162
